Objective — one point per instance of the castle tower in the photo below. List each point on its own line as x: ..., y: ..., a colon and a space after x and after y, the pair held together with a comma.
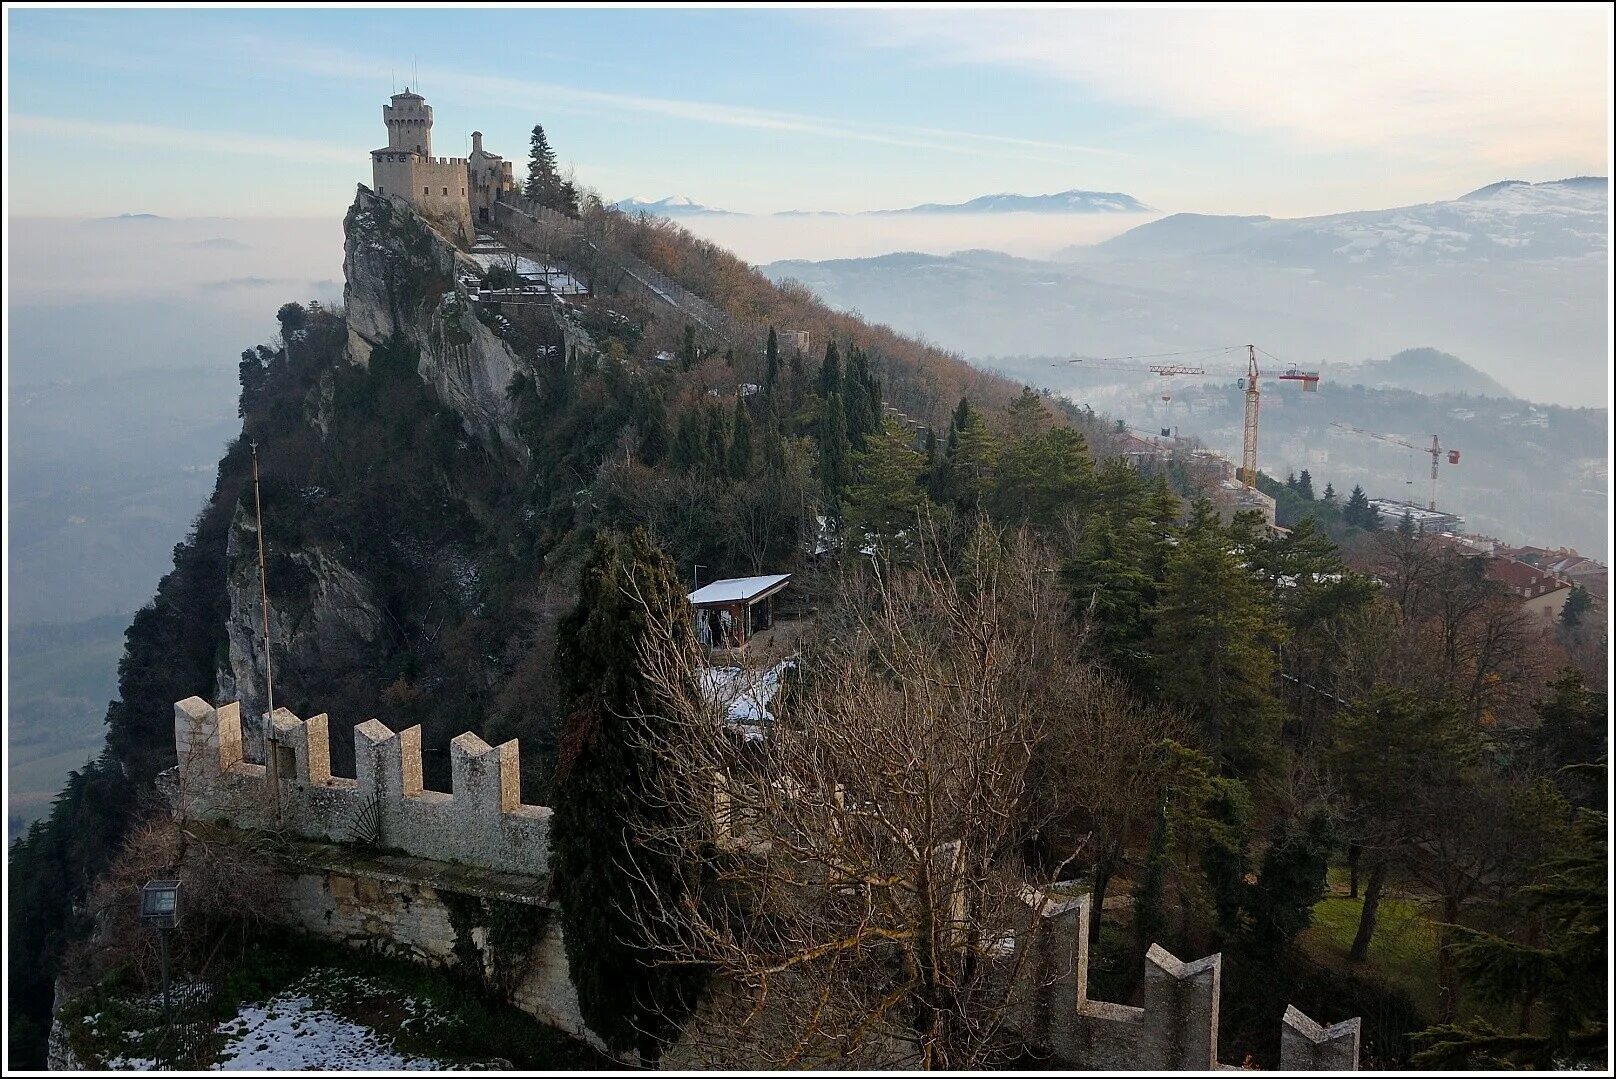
x: 409, y: 123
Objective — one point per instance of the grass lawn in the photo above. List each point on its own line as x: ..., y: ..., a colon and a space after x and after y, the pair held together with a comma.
x: 1402, y: 952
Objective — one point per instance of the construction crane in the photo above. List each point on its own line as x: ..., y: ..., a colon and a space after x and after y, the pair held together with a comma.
x: 1249, y: 382
x: 1434, y: 449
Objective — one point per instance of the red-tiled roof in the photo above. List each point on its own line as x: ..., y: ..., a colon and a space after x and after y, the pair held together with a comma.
x: 1523, y: 580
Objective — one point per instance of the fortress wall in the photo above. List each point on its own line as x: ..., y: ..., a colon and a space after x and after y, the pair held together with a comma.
x: 1176, y: 1029
x: 410, y: 919
x: 482, y: 822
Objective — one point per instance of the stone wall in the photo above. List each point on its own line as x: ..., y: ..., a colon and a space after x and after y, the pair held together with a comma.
x: 413, y: 909
x: 1175, y: 1028
x: 481, y: 821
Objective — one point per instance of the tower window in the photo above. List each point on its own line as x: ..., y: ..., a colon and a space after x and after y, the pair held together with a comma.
x: 446, y: 191
x: 426, y: 191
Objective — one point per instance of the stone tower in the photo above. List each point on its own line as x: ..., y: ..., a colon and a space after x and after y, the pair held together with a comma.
x: 409, y: 123
x: 438, y: 188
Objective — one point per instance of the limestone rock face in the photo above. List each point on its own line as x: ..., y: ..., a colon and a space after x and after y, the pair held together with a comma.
x: 401, y: 282
x: 323, y: 617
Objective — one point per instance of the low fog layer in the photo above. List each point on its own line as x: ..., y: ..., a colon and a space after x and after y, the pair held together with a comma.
x: 838, y: 236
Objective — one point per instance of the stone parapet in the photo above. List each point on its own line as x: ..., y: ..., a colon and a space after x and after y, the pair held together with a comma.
x: 481, y: 821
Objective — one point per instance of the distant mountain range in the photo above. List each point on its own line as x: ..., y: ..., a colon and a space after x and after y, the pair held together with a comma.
x: 1061, y: 202
x: 671, y: 206
x: 1511, y: 219
x: 1511, y: 276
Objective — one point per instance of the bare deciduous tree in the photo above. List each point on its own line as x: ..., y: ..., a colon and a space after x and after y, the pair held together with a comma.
x: 863, y: 895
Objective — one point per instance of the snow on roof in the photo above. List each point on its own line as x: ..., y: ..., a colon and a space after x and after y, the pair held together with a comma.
x: 738, y: 589
x: 744, y: 695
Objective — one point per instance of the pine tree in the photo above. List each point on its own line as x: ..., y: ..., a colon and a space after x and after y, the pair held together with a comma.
x: 1371, y: 518
x: 887, y: 497
x: 972, y: 465
x: 605, y: 779
x: 1565, y: 972
x: 1106, y: 576
x: 543, y: 184
x: 1329, y: 494
x: 1405, y: 525
x: 1149, y: 907
x: 1213, y: 641
x: 1304, y: 485
x: 1356, y: 511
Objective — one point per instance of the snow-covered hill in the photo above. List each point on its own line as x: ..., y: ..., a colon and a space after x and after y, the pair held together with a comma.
x: 1509, y: 220
x: 671, y: 206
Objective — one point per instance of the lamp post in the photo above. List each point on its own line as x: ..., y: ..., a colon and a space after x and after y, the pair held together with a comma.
x: 160, y: 908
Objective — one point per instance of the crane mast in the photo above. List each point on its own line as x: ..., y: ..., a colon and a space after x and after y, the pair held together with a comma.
x: 1248, y: 458
x: 1253, y: 394
x: 1434, y: 449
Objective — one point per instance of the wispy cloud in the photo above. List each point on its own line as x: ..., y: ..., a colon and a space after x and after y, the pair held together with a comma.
x: 1500, y: 85
x: 480, y: 88
x: 158, y: 136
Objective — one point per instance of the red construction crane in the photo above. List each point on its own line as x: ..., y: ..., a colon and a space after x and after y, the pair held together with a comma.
x: 1434, y: 449
x: 1248, y: 383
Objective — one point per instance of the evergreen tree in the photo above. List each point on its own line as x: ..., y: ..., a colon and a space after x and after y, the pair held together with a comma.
x: 835, y: 451
x: 653, y: 425
x: 716, y: 457
x: 687, y: 351
x: 543, y: 184
x: 1565, y: 972
x: 689, y: 441
x: 1304, y: 485
x: 1356, y: 511
x: 1149, y: 901
x: 830, y: 373
x: 1572, y: 731
x: 1291, y: 881
x: 1106, y: 575
x: 972, y: 465
x: 1372, y: 521
x: 740, y: 441
x: 1405, y: 525
x: 771, y: 368
x: 1329, y: 494
x: 605, y: 779
x: 1213, y: 641
x: 1290, y: 481
x: 1389, y: 749
x: 1577, y: 605
x: 887, y: 497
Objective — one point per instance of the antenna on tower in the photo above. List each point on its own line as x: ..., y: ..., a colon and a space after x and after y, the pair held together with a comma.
x: 415, y: 75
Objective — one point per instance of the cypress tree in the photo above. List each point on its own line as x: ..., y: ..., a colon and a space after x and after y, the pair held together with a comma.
x: 771, y: 370
x: 835, y: 451
x: 603, y: 775
x: 740, y: 442
x: 687, y: 352
x: 830, y: 372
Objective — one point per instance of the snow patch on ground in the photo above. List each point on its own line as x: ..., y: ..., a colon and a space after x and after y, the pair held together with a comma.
x: 293, y: 1033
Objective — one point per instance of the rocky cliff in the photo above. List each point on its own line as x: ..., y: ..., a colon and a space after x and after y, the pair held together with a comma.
x: 404, y: 279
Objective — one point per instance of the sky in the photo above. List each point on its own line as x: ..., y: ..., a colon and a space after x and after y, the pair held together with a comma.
x: 271, y: 113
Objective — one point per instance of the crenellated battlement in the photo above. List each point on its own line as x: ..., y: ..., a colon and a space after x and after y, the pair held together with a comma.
x: 1175, y: 1029
x: 481, y: 821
